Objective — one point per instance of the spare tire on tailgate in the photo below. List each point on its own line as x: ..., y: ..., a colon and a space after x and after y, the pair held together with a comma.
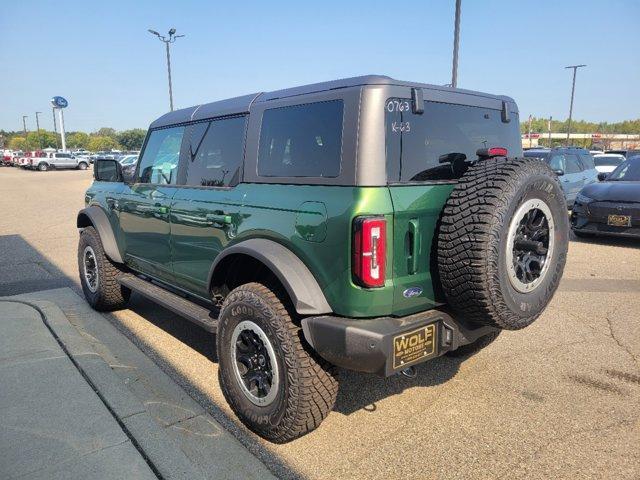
x: 502, y: 242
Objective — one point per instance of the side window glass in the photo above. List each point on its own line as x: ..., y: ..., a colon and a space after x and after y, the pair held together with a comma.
x: 216, y: 154
x: 159, y: 162
x: 557, y: 162
x: 587, y: 161
x: 573, y: 164
x: 301, y: 140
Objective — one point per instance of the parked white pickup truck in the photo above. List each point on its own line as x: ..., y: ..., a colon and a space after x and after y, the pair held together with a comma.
x: 59, y: 160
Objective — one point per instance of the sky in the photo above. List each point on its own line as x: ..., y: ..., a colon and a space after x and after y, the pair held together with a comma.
x: 101, y: 58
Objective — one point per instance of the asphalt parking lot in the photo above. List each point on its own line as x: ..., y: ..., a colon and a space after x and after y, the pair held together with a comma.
x: 560, y: 399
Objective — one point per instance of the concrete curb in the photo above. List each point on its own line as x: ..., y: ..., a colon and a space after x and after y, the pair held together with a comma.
x: 164, y: 457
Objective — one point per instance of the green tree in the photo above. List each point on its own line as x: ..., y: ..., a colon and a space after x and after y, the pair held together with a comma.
x: 106, y: 132
x: 131, y: 139
x: 97, y: 143
x: 78, y: 140
x: 17, y: 143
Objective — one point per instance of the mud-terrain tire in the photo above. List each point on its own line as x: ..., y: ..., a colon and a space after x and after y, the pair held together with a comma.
x: 302, y: 388
x: 487, y: 275
x: 105, y: 293
x: 472, y: 348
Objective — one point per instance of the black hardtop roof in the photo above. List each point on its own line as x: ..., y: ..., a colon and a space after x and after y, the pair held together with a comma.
x: 239, y: 105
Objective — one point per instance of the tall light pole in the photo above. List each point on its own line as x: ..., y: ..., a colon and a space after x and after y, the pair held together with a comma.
x: 573, y: 89
x: 38, y: 128
x: 24, y: 127
x: 172, y: 38
x: 456, y: 43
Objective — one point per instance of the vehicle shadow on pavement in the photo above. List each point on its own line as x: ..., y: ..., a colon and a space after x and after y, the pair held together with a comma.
x: 357, y: 390
x: 362, y: 391
x: 24, y: 269
x: 608, y: 241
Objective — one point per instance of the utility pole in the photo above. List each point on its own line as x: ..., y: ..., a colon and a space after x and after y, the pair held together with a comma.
x: 530, y: 140
x: 55, y: 128
x: 573, y: 89
x: 456, y: 44
x: 172, y: 38
x: 24, y: 127
x: 38, y: 129
x: 549, y: 129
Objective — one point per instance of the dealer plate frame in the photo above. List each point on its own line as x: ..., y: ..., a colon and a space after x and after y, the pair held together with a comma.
x: 425, y: 347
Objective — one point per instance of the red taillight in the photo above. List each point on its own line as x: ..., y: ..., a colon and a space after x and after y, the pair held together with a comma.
x: 492, y: 152
x: 369, y: 250
x: 498, y: 152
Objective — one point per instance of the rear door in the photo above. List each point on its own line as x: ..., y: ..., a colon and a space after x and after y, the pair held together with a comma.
x: 205, y: 211
x: 426, y: 154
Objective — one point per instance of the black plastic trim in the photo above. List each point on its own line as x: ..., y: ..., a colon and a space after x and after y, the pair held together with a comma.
x: 98, y: 218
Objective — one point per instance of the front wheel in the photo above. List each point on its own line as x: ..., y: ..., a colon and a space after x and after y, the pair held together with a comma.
x: 43, y: 167
x: 82, y: 166
x: 98, y: 275
x: 271, y: 379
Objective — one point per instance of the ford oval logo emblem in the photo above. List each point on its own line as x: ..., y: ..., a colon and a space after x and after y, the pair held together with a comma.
x: 412, y: 292
x: 59, y: 102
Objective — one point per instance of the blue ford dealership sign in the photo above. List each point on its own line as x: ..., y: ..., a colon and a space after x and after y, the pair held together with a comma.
x: 59, y: 102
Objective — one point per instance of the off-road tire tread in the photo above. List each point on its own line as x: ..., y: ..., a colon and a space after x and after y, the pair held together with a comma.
x: 313, y: 384
x: 111, y: 295
x: 469, y: 239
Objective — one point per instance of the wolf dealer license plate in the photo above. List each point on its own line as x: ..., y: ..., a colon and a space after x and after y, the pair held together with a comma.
x: 619, y: 220
x: 419, y: 344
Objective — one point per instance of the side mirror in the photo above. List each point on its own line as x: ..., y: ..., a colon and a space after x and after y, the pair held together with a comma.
x: 602, y: 176
x: 106, y: 170
x: 559, y: 172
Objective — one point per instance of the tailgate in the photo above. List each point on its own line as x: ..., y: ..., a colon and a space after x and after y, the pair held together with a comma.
x: 416, y: 212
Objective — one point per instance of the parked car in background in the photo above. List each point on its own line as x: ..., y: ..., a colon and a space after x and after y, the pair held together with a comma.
x: 574, y: 166
x: 627, y: 153
x: 58, y: 161
x: 612, y: 206
x: 607, y: 162
x: 7, y: 156
x: 128, y: 163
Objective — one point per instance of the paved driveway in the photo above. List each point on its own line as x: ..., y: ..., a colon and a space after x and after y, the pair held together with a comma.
x: 557, y: 400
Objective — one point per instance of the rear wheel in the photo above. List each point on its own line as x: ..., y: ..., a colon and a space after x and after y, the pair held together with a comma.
x: 98, y: 275
x: 502, y: 243
x: 272, y: 380
x: 43, y: 167
x: 82, y: 166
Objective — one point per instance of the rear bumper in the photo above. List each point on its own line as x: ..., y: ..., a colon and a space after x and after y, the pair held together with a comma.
x: 387, y: 345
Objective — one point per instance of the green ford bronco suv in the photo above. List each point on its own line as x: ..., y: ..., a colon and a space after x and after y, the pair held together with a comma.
x: 368, y: 223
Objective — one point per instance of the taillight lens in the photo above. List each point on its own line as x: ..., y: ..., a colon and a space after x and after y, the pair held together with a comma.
x: 369, y: 250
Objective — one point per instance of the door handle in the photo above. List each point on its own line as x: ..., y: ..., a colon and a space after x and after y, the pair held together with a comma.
x: 414, y: 238
x: 219, y: 218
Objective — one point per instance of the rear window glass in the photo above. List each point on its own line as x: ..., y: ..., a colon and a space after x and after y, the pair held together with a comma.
x: 608, y: 161
x: 438, y: 144
x: 301, y: 141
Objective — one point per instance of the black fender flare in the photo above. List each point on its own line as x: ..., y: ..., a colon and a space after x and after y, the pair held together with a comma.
x: 305, y: 293
x: 96, y: 217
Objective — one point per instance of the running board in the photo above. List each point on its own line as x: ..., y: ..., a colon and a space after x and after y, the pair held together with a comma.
x: 185, y: 308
